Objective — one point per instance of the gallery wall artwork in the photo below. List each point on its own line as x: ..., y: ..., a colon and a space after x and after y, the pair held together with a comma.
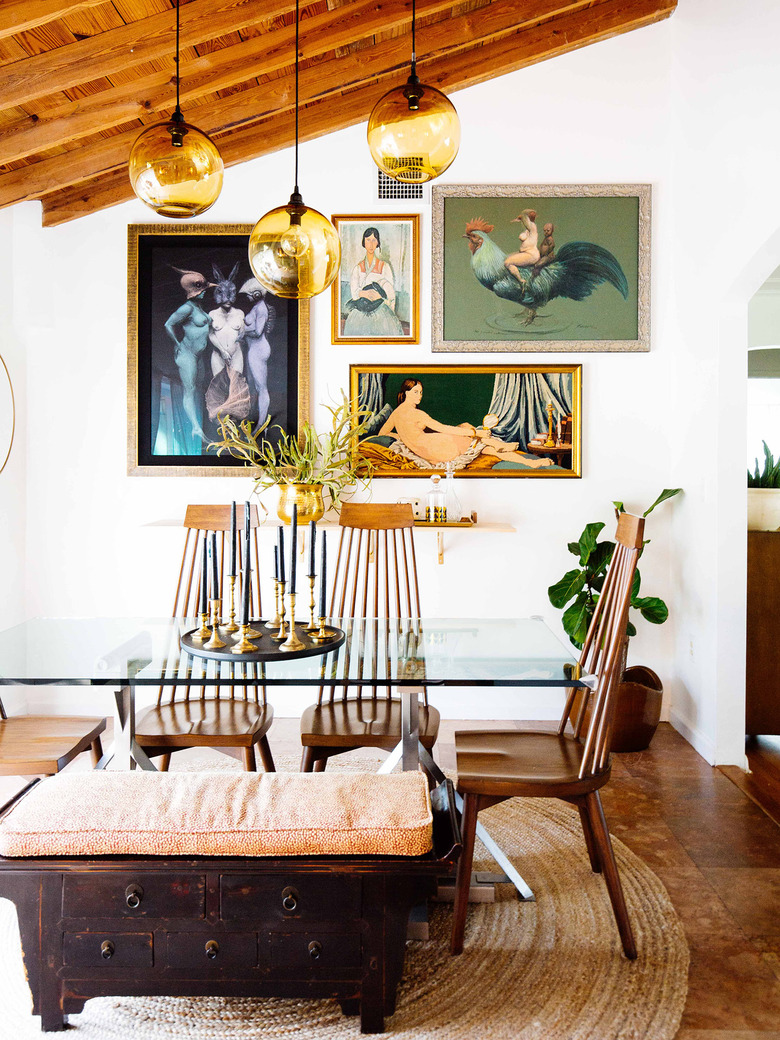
x: 487, y: 420
x: 541, y: 267
x: 376, y: 296
x: 205, y: 340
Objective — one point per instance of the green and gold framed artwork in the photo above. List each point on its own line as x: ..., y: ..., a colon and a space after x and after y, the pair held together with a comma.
x: 543, y: 267
x: 487, y: 420
x: 205, y: 339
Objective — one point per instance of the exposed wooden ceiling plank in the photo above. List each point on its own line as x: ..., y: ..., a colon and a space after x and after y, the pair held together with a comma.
x: 334, y: 76
x: 20, y: 15
x: 339, y: 111
x: 132, y: 44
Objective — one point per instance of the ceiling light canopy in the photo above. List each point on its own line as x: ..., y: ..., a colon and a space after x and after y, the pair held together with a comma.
x: 414, y: 130
x: 294, y: 250
x: 174, y: 168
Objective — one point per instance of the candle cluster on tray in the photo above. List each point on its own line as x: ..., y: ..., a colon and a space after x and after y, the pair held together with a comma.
x: 283, y: 627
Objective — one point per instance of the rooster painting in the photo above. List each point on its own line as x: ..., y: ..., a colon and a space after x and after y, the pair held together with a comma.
x: 577, y: 269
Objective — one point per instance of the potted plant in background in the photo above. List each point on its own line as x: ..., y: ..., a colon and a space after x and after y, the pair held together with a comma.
x: 303, y: 467
x: 763, y: 498
x: 641, y: 691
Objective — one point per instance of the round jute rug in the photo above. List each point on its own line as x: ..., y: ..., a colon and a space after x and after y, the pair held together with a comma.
x: 548, y: 970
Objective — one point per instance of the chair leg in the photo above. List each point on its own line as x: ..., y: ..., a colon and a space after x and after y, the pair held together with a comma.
x: 165, y: 762
x: 607, y: 857
x: 250, y: 762
x: 468, y: 826
x: 307, y: 760
x: 96, y: 750
x: 265, y: 755
x: 320, y: 763
x: 587, y: 830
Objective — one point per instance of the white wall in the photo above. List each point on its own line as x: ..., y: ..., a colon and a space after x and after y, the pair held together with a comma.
x: 673, y: 417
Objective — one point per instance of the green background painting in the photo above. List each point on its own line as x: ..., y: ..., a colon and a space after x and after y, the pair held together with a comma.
x: 473, y: 312
x: 449, y: 397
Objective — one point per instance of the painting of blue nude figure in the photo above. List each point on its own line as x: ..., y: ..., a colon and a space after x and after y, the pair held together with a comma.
x: 484, y: 421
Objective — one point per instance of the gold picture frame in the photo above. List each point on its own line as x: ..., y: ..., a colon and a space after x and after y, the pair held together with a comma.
x: 497, y: 420
x: 376, y: 295
x: 170, y: 388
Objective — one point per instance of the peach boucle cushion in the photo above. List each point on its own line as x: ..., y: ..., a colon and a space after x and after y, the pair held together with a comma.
x: 221, y: 814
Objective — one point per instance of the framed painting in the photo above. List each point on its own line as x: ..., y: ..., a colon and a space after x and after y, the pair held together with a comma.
x: 541, y: 267
x: 488, y: 420
x: 205, y: 339
x: 376, y: 296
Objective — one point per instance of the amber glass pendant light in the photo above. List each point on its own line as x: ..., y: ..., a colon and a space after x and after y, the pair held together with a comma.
x: 294, y: 250
x: 414, y: 130
x: 175, y: 168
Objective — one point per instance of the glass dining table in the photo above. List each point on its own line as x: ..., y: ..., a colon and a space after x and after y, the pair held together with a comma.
x: 121, y: 655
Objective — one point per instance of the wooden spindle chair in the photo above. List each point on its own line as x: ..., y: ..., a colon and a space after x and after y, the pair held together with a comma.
x: 375, y: 577
x: 571, y: 763
x: 200, y: 715
x: 41, y: 745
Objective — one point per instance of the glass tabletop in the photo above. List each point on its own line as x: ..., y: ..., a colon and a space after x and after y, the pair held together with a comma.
x: 377, y: 652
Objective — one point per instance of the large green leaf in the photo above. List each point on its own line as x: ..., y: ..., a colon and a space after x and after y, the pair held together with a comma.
x: 599, y: 558
x: 630, y: 629
x: 665, y: 494
x: 635, y: 586
x: 574, y: 548
x: 588, y: 541
x: 569, y: 585
x: 652, y: 609
x: 577, y: 619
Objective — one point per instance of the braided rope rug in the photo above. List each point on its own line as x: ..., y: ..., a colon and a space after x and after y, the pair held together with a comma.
x: 549, y: 970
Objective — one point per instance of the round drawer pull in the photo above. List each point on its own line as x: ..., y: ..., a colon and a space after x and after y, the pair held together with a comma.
x: 315, y: 950
x: 133, y: 896
x: 290, y: 899
x: 107, y: 950
x: 212, y: 949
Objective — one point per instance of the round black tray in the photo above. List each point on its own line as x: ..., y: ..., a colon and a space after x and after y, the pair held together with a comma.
x: 268, y: 649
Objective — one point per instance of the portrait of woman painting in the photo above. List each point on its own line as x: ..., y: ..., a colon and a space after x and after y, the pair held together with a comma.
x: 488, y: 421
x: 206, y: 340
x: 376, y: 296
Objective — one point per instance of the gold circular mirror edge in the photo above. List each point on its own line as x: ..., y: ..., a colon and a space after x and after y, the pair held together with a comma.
x: 13, y: 414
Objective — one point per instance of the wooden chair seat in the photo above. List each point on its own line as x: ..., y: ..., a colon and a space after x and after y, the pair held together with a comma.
x: 210, y: 723
x: 31, y: 745
x: 364, y: 722
x: 523, y: 761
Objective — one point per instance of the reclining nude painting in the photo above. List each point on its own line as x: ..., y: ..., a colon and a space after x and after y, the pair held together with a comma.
x: 488, y: 421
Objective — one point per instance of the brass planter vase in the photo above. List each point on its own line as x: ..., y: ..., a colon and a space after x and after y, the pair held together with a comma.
x: 308, y: 498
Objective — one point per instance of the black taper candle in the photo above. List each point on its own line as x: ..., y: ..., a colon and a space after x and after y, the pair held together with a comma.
x: 281, y: 553
x: 204, y: 577
x: 233, y: 539
x: 214, y: 567
x: 312, y: 543
x: 323, y: 568
x: 276, y: 563
x: 247, y: 581
x: 246, y: 520
x: 293, y: 547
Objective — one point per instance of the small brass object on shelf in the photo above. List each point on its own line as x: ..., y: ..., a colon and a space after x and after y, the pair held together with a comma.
x: 292, y: 642
x: 215, y: 643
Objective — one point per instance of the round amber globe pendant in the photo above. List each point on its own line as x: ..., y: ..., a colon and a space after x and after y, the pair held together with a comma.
x: 294, y: 251
x: 413, y: 132
x: 176, y: 169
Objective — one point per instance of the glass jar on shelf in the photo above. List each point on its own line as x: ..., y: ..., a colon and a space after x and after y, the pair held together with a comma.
x: 452, y: 506
x: 435, y: 503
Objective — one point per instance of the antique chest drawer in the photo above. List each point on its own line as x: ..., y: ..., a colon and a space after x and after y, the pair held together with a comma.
x: 276, y: 900
x: 136, y: 894
x: 315, y: 950
x: 206, y: 952
x: 109, y: 950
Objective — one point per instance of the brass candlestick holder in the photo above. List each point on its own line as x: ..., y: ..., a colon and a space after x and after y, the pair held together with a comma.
x: 215, y: 643
x: 244, y: 646
x: 281, y: 632
x: 292, y: 642
x: 312, y: 626
x: 550, y: 442
x: 322, y: 633
x: 204, y: 631
x: 274, y: 623
x: 232, y: 626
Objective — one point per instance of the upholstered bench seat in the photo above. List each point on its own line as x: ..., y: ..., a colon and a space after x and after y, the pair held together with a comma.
x: 221, y: 814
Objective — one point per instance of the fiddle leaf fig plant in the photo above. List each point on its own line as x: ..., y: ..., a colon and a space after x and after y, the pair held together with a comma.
x: 580, y: 587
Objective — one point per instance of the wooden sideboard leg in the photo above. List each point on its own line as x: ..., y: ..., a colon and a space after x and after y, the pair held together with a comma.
x: 351, y: 1006
x: 52, y: 1019
x: 372, y: 1018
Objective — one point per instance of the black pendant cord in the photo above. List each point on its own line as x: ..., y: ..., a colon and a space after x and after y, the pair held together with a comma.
x: 177, y: 114
x: 296, y: 193
x: 414, y: 43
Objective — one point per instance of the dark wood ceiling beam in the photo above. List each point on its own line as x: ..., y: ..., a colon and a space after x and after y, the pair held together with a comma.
x: 349, y: 71
x: 20, y: 15
x: 132, y: 44
x: 337, y: 112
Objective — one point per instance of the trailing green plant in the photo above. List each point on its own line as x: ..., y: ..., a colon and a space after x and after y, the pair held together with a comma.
x: 584, y: 583
x: 328, y: 459
x: 769, y: 477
